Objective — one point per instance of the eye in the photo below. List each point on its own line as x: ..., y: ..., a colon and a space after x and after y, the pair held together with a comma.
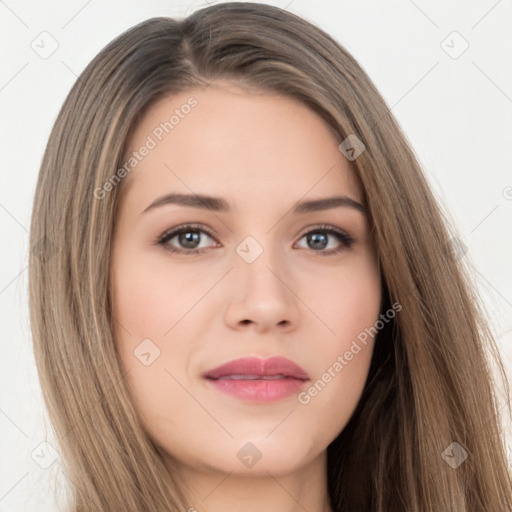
x: 318, y: 238
x: 188, y: 237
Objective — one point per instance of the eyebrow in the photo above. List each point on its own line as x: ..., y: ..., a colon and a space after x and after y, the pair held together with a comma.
x: 218, y: 204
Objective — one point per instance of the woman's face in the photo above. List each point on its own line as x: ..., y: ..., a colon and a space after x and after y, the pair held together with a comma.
x: 269, y: 280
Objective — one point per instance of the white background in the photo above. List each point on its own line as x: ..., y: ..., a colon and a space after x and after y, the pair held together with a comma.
x: 456, y: 113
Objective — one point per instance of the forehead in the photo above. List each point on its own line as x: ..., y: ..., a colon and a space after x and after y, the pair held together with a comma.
x: 229, y: 142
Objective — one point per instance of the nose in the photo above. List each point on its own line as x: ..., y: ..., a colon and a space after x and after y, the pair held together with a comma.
x: 262, y: 295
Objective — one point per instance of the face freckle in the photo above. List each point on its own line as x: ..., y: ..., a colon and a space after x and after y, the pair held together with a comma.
x: 264, y: 290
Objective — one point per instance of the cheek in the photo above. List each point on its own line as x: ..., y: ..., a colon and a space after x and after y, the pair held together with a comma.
x: 150, y: 305
x: 348, y: 302
x: 151, y: 298
x: 350, y: 307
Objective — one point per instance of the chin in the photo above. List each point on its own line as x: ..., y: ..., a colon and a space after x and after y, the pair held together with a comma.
x: 258, y: 457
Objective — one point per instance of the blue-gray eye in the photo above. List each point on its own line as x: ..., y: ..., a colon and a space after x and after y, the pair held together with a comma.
x: 188, y: 237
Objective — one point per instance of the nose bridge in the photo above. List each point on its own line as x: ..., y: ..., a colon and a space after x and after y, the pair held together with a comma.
x: 260, y: 259
x: 262, y: 271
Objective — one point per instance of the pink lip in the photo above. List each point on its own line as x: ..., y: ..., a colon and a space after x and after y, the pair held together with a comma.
x: 255, y: 387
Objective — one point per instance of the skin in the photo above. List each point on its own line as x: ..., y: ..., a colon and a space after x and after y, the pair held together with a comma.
x: 262, y: 153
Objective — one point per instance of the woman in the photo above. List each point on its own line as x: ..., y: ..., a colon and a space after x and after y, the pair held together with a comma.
x: 268, y: 368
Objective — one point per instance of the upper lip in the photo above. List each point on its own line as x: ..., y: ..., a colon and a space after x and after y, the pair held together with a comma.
x: 276, y: 365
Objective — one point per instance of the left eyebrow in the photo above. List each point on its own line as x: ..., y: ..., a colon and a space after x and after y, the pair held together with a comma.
x: 219, y: 204
x: 326, y: 203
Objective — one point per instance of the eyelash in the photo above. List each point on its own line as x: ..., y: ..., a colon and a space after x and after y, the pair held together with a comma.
x: 346, y: 240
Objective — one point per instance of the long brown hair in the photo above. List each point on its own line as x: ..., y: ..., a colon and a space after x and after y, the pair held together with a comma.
x: 430, y: 382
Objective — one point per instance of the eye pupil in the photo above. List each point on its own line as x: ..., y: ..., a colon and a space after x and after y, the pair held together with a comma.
x: 189, y: 239
x: 319, y: 240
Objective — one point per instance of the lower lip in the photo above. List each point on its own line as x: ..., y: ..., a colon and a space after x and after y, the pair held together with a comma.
x: 258, y: 390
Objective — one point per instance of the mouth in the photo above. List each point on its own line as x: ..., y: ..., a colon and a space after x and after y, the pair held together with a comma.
x: 253, y: 377
x: 258, y: 380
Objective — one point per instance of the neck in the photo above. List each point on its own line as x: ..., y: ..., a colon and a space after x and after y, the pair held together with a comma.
x: 303, y: 489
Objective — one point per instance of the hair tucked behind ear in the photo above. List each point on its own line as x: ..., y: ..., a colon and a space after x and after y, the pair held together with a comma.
x: 430, y: 381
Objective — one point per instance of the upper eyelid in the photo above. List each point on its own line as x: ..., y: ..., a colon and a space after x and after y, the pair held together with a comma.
x: 201, y: 227
x: 176, y: 230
